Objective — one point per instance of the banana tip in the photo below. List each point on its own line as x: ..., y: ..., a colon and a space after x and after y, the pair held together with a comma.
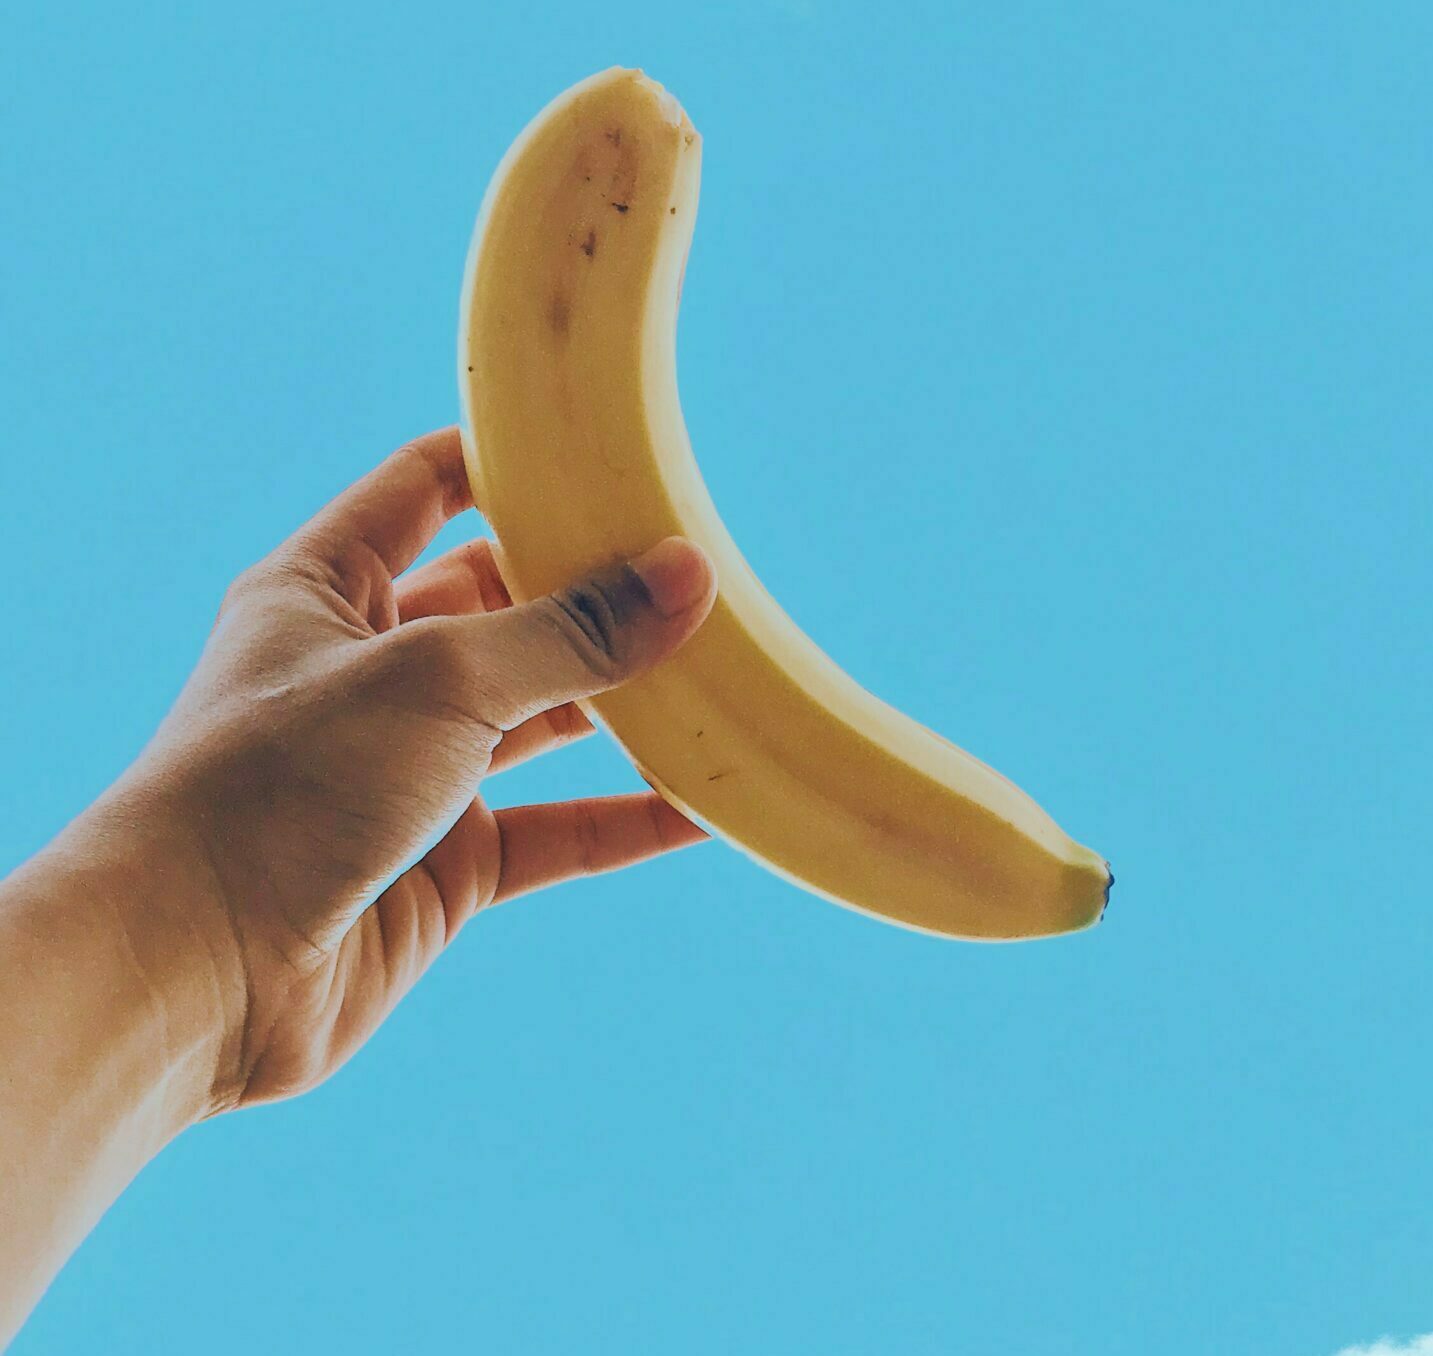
x: 1109, y: 885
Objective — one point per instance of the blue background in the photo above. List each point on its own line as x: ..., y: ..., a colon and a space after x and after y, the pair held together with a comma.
x: 1065, y: 371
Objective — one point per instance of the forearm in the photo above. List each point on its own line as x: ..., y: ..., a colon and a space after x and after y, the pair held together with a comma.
x: 112, y: 1014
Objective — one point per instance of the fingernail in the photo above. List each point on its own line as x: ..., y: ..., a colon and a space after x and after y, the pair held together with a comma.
x: 676, y: 573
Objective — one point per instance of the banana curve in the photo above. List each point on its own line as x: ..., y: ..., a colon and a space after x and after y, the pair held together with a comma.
x: 579, y: 456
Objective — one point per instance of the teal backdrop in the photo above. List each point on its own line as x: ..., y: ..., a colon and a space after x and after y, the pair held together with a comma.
x: 1065, y: 371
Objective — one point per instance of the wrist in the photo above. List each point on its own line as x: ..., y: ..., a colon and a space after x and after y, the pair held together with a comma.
x: 123, y: 910
x: 116, y: 1008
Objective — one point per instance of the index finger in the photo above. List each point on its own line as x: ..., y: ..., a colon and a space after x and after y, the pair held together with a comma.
x: 397, y: 508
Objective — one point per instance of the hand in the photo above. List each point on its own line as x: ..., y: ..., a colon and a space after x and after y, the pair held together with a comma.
x: 338, y: 722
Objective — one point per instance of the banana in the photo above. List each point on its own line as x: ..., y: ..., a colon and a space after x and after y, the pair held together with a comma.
x: 579, y: 457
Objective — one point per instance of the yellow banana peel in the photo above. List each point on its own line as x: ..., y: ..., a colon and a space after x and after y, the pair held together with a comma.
x: 579, y: 457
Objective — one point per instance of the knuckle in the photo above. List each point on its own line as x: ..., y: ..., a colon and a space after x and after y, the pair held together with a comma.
x: 588, y: 834
x: 280, y: 569
x: 420, y: 670
x: 566, y: 722
x: 449, y: 472
x: 246, y: 584
x: 661, y: 835
x: 590, y: 616
x: 425, y: 667
x: 238, y: 587
x: 479, y: 558
x: 431, y: 647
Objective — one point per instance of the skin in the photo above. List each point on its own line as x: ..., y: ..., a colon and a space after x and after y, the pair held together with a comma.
x: 303, y: 837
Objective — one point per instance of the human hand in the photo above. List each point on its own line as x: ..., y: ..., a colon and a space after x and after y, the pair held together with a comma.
x: 339, y: 722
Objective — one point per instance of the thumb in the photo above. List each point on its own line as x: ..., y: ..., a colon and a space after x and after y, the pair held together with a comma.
x: 594, y: 634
